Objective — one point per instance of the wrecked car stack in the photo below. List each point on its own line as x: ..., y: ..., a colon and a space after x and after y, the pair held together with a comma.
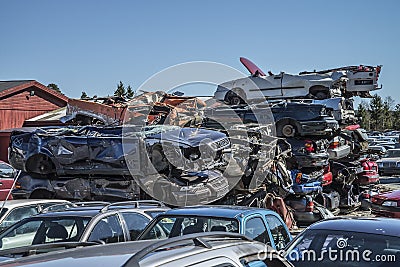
x: 303, y: 153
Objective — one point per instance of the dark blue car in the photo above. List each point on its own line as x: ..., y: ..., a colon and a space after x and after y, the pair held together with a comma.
x: 259, y: 224
x: 347, y: 242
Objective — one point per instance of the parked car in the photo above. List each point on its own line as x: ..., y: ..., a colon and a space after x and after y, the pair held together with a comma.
x: 98, y: 222
x: 259, y: 224
x: 386, y: 204
x: 389, y: 164
x: 12, y: 211
x: 200, y: 250
x: 345, y: 81
x: 350, y: 241
x: 7, y: 175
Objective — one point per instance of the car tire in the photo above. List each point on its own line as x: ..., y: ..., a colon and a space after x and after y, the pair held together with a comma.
x: 235, y: 97
x: 288, y: 130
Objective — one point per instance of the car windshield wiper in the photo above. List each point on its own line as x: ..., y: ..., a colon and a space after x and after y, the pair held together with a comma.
x: 42, y: 248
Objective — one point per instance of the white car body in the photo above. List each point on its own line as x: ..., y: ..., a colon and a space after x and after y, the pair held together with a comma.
x: 345, y: 81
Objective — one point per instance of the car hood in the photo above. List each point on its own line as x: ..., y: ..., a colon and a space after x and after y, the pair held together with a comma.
x: 394, y: 195
x: 188, y: 136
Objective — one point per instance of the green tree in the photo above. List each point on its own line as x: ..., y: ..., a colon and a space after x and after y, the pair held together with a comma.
x: 54, y: 87
x: 364, y: 114
x: 129, y: 92
x: 377, y: 113
x: 387, y: 113
x: 120, y: 91
x: 84, y: 95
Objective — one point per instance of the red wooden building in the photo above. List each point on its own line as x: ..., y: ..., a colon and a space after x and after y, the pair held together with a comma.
x: 22, y: 100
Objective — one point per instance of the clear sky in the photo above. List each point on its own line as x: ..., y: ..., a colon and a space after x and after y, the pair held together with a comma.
x: 91, y: 45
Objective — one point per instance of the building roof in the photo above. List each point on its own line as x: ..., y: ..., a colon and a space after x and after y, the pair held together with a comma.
x: 12, y: 87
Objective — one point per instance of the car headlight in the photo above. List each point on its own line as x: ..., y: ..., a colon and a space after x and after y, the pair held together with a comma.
x: 389, y: 203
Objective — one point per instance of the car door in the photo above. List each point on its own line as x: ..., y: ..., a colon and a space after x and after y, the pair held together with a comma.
x: 270, y: 86
x: 294, y: 86
x: 135, y: 223
x: 278, y: 230
x: 255, y: 228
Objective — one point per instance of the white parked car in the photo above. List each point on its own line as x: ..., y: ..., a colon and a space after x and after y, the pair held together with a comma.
x: 345, y: 81
x: 13, y: 211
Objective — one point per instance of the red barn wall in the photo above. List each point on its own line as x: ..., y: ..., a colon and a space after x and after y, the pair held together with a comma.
x: 15, y: 109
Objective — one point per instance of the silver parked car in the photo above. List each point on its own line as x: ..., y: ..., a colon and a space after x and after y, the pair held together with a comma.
x: 390, y: 162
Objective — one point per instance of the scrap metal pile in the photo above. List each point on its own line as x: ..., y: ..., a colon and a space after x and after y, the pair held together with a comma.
x: 306, y: 154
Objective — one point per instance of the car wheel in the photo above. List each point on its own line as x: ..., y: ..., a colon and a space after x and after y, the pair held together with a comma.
x: 234, y: 97
x: 288, y: 130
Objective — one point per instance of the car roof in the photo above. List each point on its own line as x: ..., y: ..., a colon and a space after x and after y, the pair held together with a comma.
x: 382, y: 226
x: 216, y: 211
x: 9, y: 204
x: 147, y: 252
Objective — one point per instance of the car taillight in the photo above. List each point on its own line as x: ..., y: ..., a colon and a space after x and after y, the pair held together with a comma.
x: 298, y: 177
x: 310, y: 206
x: 309, y: 146
x: 17, y: 185
x: 334, y: 145
x: 378, y: 71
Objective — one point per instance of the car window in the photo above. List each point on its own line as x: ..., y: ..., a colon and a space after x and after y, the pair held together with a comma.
x: 278, y: 231
x: 175, y: 226
x: 17, y: 214
x: 255, y: 229
x: 320, y: 241
x: 42, y: 230
x: 135, y: 222
x: 108, y: 230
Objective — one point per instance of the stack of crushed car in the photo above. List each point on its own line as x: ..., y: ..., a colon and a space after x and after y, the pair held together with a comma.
x: 291, y: 144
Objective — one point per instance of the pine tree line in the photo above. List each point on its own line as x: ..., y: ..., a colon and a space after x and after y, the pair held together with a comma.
x: 379, y: 114
x: 121, y: 91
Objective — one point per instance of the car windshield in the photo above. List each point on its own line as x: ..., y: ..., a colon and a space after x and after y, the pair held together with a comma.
x: 34, y: 231
x: 326, y: 246
x: 171, y: 226
x: 392, y: 154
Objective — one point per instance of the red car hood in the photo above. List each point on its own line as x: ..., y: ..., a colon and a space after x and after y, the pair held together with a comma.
x: 394, y: 195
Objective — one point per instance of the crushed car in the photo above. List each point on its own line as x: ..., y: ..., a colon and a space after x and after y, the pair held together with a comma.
x: 99, y: 156
x: 344, y: 81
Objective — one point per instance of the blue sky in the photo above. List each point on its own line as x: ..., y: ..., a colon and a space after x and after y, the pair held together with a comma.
x: 92, y: 45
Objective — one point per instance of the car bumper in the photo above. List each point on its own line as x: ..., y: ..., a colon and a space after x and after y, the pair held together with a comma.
x: 367, y: 179
x: 392, y: 212
x: 339, y: 153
